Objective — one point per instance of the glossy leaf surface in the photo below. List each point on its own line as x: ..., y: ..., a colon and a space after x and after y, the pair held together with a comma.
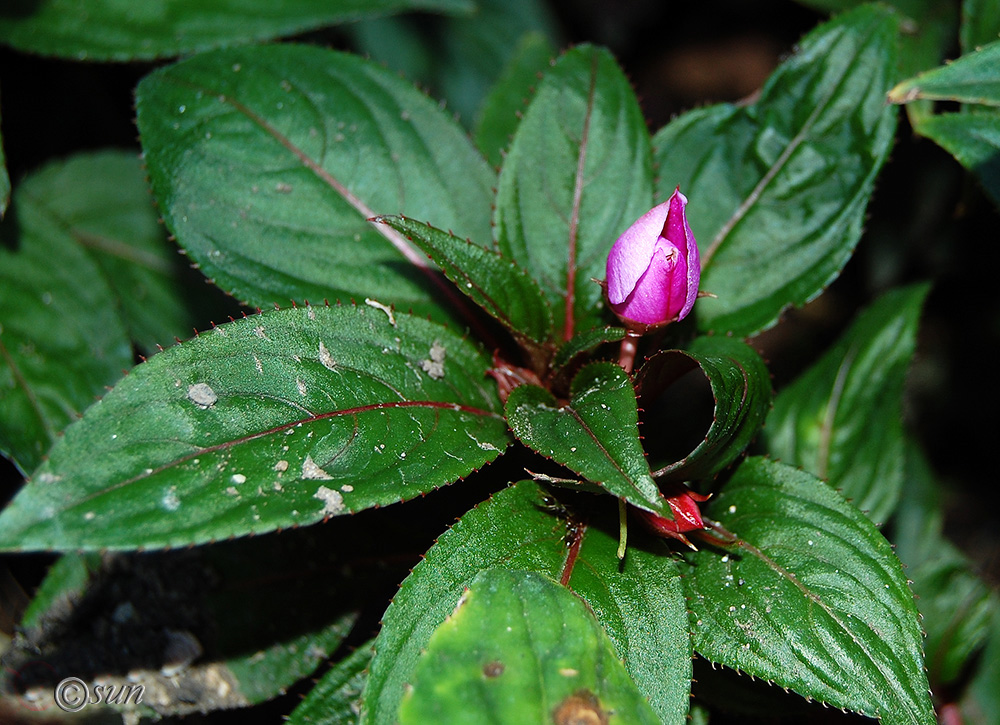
x: 972, y: 78
x: 267, y: 163
x: 778, y: 188
x: 62, y: 339
x: 818, y: 603
x: 741, y: 388
x: 124, y: 30
x: 640, y: 606
x: 494, y: 283
x: 577, y: 174
x: 596, y: 435
x: 523, y: 649
x: 272, y: 421
x: 842, y: 419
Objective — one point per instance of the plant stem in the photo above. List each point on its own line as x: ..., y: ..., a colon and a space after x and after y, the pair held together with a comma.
x: 626, y: 358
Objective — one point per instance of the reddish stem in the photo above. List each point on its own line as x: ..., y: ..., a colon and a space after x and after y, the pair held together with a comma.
x: 626, y: 358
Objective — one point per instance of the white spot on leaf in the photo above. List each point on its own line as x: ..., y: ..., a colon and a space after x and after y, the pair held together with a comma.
x: 239, y: 478
x: 202, y: 395
x: 326, y: 358
x: 281, y: 466
x: 434, y: 366
x: 333, y: 501
x: 310, y: 471
x: 385, y: 308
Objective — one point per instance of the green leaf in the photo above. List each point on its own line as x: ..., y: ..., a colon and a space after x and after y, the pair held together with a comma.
x: 4, y: 181
x: 980, y: 23
x: 273, y: 421
x: 501, y: 110
x: 585, y: 341
x: 124, y: 30
x: 640, y: 605
x: 336, y: 697
x: 778, y: 188
x: 102, y: 202
x: 956, y: 606
x: 61, y: 337
x: 741, y: 389
x: 841, y: 420
x: 973, y: 78
x: 981, y: 700
x: 268, y: 161
x: 493, y: 282
x: 577, y: 174
x: 522, y: 649
x: 471, y: 51
x: 810, y: 597
x: 974, y: 140
x: 255, y: 652
x: 596, y: 435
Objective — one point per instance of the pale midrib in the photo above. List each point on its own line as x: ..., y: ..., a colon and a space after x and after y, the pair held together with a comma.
x: 766, y: 179
x: 29, y: 393
x: 826, y: 433
x: 574, y: 219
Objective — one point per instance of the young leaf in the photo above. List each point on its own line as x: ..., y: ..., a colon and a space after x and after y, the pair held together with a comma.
x: 268, y: 161
x: 577, y: 174
x: 337, y: 695
x: 272, y: 421
x: 61, y: 337
x: 810, y: 597
x: 523, y: 649
x: 501, y: 110
x: 841, y: 420
x: 596, y: 435
x: 585, y: 341
x: 494, y: 283
x: 973, y: 139
x: 973, y: 78
x: 640, y: 605
x: 112, y: 30
x: 741, y: 387
x: 778, y: 189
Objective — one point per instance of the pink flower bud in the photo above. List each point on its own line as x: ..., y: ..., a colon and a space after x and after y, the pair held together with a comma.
x: 654, y: 268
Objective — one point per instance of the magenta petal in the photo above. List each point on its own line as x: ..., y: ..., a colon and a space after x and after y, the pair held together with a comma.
x: 632, y: 253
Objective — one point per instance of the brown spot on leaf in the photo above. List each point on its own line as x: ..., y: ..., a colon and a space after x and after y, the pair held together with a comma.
x: 493, y: 669
x: 580, y: 708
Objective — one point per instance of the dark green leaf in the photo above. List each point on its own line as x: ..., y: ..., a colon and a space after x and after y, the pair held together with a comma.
x: 472, y: 51
x: 778, y: 189
x: 584, y: 341
x: 115, y: 30
x: 974, y: 140
x: 811, y: 597
x: 65, y: 580
x: 577, y: 174
x: 511, y: 530
x: 61, y: 337
x: 596, y: 435
x: 981, y: 700
x: 841, y: 420
x: 973, y: 78
x: 268, y: 161
x: 523, y: 649
x: 272, y: 421
x: 956, y: 606
x: 980, y: 23
x: 494, y: 283
x: 643, y: 610
x: 337, y: 696
x: 501, y: 110
x: 4, y: 181
x: 741, y: 388
x: 640, y: 606
x: 101, y: 200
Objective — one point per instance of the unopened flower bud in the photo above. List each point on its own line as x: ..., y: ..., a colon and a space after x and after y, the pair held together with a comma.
x: 683, y: 504
x: 654, y: 268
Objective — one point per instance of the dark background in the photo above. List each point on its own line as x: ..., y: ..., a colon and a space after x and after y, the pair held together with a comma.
x: 929, y: 221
